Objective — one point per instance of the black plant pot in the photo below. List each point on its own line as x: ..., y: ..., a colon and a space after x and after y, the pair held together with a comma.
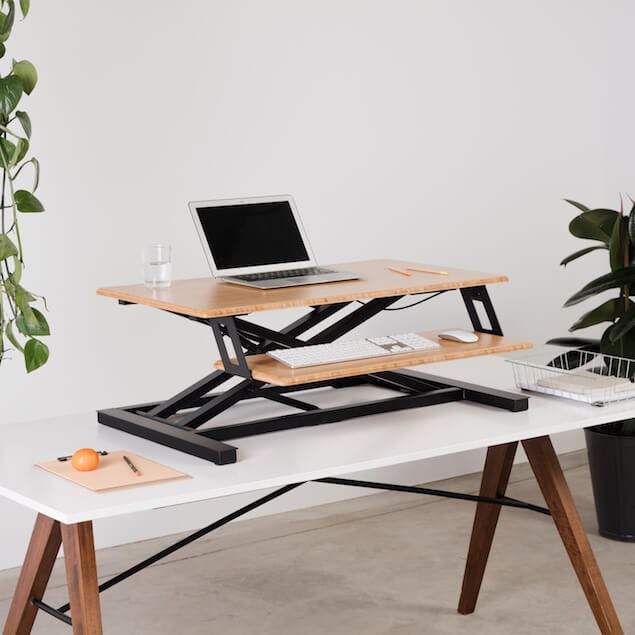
x: 612, y: 463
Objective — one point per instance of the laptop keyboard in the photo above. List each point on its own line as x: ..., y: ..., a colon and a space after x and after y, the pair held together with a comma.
x: 287, y: 273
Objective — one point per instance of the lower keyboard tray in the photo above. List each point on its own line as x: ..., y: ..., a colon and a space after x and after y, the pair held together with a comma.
x: 266, y: 369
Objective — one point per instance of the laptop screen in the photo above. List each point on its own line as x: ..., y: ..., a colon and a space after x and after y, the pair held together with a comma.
x: 252, y: 234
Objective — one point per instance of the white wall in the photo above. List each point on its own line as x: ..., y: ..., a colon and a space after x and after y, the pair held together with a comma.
x: 445, y: 131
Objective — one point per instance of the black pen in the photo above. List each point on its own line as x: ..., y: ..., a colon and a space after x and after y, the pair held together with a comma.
x: 131, y: 465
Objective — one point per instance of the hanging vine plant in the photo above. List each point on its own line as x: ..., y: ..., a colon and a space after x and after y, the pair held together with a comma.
x: 21, y: 323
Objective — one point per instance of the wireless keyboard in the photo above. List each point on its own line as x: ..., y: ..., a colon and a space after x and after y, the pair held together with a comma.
x: 346, y: 351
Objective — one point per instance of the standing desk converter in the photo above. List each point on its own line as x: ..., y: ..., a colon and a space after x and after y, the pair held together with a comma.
x: 185, y: 421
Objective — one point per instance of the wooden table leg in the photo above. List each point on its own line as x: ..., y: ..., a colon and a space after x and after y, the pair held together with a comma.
x: 81, y: 576
x: 498, y: 465
x: 36, y: 571
x: 544, y: 462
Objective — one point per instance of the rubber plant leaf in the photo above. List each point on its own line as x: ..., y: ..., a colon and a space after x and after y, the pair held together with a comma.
x: 582, y: 208
x: 623, y: 347
x: 596, y: 224
x: 623, y: 325
x: 608, y: 281
x: 608, y: 311
x: 579, y: 254
x: 618, y: 244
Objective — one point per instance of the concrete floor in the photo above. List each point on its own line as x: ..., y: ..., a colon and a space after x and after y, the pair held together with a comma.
x: 386, y: 563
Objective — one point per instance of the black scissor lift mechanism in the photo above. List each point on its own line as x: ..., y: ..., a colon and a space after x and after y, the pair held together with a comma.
x: 185, y: 420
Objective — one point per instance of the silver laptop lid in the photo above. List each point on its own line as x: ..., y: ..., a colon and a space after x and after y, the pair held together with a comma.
x: 251, y: 235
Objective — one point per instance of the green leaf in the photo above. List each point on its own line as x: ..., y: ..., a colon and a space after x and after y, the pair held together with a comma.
x: 11, y: 336
x: 10, y: 93
x: 22, y: 299
x: 25, y: 121
x: 24, y: 7
x: 36, y: 174
x: 623, y: 325
x: 26, y: 202
x: 608, y: 281
x: 36, y: 354
x: 608, y: 311
x: 596, y: 224
x: 7, y: 248
x: 21, y: 148
x: 618, y: 244
x: 623, y: 347
x: 3, y: 50
x: 27, y: 74
x: 16, y: 275
x: 580, y: 253
x: 582, y: 208
x: 7, y: 149
x: 32, y: 323
x: 7, y: 24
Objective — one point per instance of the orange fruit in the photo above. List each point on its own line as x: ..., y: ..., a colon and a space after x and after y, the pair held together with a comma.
x: 85, y: 460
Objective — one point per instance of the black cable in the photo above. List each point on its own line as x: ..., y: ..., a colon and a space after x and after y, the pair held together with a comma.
x: 408, y: 306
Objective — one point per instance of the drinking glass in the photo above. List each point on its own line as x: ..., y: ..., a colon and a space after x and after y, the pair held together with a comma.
x: 157, y: 265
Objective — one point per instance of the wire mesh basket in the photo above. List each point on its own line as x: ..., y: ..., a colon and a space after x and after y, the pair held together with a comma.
x: 576, y: 374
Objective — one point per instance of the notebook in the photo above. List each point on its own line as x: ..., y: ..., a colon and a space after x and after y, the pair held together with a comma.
x: 113, y: 472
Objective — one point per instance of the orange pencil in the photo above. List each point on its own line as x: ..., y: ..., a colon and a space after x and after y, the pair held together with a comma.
x: 401, y: 271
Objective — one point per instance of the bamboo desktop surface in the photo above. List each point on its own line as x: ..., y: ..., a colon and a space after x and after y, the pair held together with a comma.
x: 266, y: 369
x: 113, y: 472
x: 208, y: 298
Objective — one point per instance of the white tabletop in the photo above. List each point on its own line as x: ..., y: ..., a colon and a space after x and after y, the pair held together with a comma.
x: 276, y: 459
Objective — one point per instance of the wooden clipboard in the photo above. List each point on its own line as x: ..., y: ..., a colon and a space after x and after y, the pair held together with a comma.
x: 113, y: 472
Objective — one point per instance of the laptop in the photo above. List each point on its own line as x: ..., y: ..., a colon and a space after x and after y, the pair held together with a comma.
x: 259, y: 242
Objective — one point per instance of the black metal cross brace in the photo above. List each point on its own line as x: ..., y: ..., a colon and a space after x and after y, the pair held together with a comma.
x: 183, y: 420
x: 504, y: 501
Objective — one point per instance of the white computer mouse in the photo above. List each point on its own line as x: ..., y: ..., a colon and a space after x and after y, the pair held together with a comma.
x: 458, y: 335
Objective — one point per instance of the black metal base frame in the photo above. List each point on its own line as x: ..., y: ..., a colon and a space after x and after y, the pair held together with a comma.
x: 504, y: 501
x: 178, y: 421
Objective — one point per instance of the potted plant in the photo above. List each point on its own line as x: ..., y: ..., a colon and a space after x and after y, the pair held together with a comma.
x: 22, y: 324
x: 611, y: 447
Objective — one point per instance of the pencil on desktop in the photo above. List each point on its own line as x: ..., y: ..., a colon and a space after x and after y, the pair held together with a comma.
x: 435, y: 271
x: 132, y: 466
x: 403, y: 272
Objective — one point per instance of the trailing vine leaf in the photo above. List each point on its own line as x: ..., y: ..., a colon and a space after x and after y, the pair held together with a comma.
x: 7, y: 23
x: 11, y: 336
x: 25, y: 121
x: 596, y: 224
x: 7, y: 248
x: 27, y: 202
x: 36, y: 354
x: 582, y: 208
x: 32, y: 323
x: 27, y: 74
x: 21, y: 148
x: 611, y: 280
x: 10, y: 93
x: 608, y: 311
x: 18, y: 313
x: 582, y: 252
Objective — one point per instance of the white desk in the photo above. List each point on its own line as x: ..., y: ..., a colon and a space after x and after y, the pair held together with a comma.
x: 66, y: 511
